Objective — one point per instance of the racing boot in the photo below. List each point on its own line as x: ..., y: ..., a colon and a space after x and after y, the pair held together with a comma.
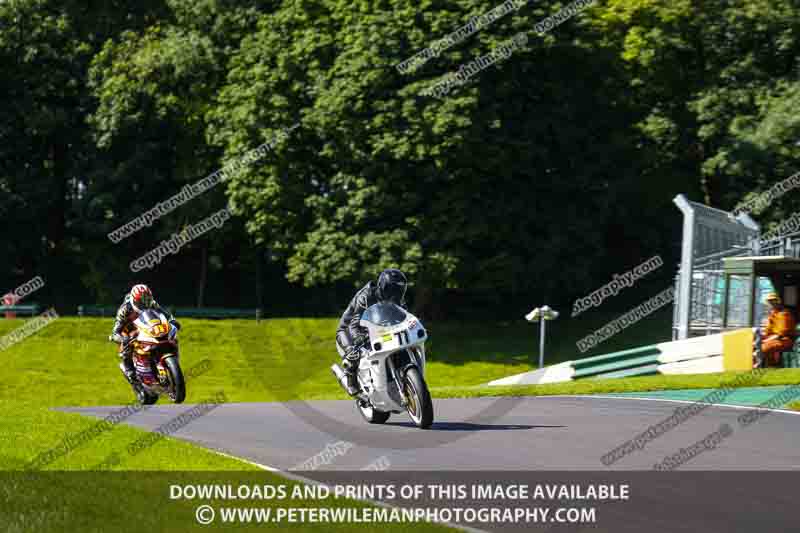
x: 126, y: 366
x: 350, y: 366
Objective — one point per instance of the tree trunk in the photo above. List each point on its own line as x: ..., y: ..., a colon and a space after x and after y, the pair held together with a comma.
x: 259, y: 274
x: 57, y: 212
x: 201, y: 282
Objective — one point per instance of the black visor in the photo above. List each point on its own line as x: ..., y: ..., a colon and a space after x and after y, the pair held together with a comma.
x: 394, y: 292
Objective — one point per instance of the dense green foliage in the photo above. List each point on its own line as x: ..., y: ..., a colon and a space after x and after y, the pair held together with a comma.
x: 537, y: 180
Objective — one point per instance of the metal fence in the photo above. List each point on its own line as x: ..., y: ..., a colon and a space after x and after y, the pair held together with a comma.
x: 709, y: 236
x: 705, y: 309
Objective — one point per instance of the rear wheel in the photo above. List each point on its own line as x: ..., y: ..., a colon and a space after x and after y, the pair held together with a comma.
x: 370, y: 414
x: 420, y: 405
x: 177, y: 385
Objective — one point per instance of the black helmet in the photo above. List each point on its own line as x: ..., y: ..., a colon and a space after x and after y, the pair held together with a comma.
x: 391, y: 285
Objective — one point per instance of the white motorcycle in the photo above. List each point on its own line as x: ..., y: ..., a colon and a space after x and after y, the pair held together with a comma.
x: 392, y: 375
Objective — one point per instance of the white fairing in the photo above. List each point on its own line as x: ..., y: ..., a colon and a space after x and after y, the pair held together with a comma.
x: 385, y: 340
x: 143, y: 328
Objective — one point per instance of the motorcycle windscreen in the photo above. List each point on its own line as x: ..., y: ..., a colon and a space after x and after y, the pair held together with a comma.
x: 153, y: 323
x: 384, y: 314
x: 149, y: 317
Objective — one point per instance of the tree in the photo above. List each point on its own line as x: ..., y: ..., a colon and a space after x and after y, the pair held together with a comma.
x: 155, y: 88
x: 47, y: 157
x: 713, y: 74
x: 513, y: 182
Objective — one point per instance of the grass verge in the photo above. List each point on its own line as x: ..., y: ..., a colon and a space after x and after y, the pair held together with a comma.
x: 794, y: 406
x: 785, y: 376
x: 69, y: 363
x: 97, y: 485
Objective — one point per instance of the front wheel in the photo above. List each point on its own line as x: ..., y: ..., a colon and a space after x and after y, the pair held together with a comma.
x: 420, y: 405
x: 177, y: 385
x: 370, y: 414
x: 144, y: 397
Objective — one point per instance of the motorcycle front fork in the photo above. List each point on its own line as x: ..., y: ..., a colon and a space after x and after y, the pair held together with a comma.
x: 400, y: 390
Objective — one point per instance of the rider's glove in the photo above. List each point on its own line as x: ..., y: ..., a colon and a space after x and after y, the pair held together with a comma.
x: 352, y: 354
x: 355, y: 353
x: 361, y: 340
x: 175, y: 323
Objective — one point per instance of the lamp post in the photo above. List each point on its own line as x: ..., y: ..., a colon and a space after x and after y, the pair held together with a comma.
x: 541, y: 315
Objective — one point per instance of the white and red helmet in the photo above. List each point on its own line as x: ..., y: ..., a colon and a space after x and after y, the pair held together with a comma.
x: 141, y: 297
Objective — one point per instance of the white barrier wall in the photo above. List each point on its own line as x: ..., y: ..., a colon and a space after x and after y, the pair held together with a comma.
x: 694, y: 348
x: 697, y: 355
x: 551, y: 374
x: 707, y: 365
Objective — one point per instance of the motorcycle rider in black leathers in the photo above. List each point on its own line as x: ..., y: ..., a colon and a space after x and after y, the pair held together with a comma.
x: 135, y: 302
x: 351, y: 338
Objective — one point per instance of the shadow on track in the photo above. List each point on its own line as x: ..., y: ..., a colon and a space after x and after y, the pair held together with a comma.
x: 467, y: 426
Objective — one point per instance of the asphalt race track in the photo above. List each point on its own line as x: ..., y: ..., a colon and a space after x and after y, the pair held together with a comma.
x: 534, y: 433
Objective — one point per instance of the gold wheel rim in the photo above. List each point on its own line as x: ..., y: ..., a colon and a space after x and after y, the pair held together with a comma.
x: 412, y: 400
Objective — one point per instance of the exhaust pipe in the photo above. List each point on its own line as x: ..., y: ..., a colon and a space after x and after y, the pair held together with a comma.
x: 340, y: 376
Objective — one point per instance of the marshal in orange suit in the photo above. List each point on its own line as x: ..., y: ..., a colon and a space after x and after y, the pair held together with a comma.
x: 779, y: 331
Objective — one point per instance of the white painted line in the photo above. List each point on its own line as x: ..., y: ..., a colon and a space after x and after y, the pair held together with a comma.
x: 309, y: 481
x: 747, y: 407
x: 253, y: 463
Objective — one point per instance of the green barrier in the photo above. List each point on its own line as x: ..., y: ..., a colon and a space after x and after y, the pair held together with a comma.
x: 616, y: 365
x: 635, y: 353
x: 216, y: 312
x: 634, y: 362
x: 191, y: 312
x: 790, y: 359
x: 96, y: 310
x: 647, y: 370
x: 29, y: 309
